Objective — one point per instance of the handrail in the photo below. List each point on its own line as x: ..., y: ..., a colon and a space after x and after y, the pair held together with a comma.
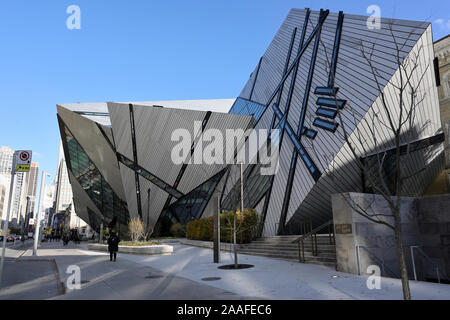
x: 313, y: 234
x: 315, y: 230
x: 429, y: 260
x: 383, y: 266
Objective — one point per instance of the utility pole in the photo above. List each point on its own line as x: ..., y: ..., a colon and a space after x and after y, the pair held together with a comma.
x: 6, y: 222
x: 38, y: 215
x: 242, y: 188
x: 27, y: 216
x: 241, y: 164
x: 148, y: 214
x: 100, y: 237
x: 216, y: 214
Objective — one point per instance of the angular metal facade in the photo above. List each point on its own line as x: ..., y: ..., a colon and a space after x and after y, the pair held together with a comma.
x: 314, y: 57
x: 313, y: 74
x: 121, y: 167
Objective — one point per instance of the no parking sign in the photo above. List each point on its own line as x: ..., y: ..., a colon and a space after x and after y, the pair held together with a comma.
x: 23, y: 160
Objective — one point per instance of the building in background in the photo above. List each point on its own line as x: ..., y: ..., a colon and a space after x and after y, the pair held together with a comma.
x: 442, y: 52
x: 2, y: 200
x: 6, y: 160
x: 18, y: 207
x: 31, y: 182
x: 63, y: 197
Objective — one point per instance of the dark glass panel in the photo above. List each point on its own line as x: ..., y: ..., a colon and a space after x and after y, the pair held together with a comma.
x: 91, y: 180
x: 242, y: 106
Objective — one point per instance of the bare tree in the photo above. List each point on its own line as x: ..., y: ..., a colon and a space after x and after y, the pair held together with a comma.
x: 233, y: 188
x: 398, y: 118
x: 137, y: 229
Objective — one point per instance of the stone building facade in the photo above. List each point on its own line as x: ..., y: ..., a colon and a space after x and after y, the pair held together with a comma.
x: 442, y: 52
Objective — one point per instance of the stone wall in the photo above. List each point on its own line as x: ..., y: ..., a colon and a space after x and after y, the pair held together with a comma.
x: 434, y: 229
x: 425, y: 223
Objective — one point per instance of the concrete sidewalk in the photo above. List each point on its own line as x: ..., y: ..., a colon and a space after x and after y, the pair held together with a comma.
x: 30, y: 280
x: 277, y: 279
x: 123, y: 279
x: 182, y: 274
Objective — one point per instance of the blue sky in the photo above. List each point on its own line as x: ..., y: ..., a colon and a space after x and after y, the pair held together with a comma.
x: 142, y: 50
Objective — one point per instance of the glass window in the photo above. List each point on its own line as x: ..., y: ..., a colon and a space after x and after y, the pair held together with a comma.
x: 242, y: 106
x: 92, y: 181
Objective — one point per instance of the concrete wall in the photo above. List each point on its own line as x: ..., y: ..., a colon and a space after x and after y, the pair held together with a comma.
x: 425, y: 223
x: 434, y: 229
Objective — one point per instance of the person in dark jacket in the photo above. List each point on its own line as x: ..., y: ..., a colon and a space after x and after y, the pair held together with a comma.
x: 113, y: 246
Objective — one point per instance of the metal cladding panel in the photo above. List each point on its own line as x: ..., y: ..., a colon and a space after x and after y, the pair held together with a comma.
x: 357, y: 86
x: 259, y: 207
x: 87, y: 133
x: 196, y: 174
x: 120, y: 121
x: 154, y: 128
x: 82, y: 201
x: 129, y: 184
x: 346, y: 175
x: 216, y: 105
x: 158, y: 198
x: 109, y: 135
x: 96, y: 111
x: 278, y: 189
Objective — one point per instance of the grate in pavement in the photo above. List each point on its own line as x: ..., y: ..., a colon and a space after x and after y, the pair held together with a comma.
x: 239, y: 266
x: 211, y: 279
x: 154, y: 276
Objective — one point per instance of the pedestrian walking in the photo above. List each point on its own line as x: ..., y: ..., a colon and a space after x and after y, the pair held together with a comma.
x: 113, y: 246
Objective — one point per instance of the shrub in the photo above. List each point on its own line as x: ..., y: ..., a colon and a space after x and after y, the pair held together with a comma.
x: 178, y: 230
x: 203, y: 229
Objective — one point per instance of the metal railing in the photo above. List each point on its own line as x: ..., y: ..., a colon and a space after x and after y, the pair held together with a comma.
x: 379, y: 260
x: 418, y: 248
x: 309, y: 232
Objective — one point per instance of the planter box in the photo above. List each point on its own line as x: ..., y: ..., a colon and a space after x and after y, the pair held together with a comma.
x: 145, y: 250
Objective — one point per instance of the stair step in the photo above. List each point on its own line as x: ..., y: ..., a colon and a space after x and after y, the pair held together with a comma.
x: 319, y: 240
x: 293, y: 253
x: 309, y: 259
x: 282, y: 247
x: 307, y: 246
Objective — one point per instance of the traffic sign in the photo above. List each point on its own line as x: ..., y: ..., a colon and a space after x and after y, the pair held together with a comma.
x: 23, y: 160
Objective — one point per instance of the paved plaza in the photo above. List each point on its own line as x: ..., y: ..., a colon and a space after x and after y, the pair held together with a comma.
x: 182, y: 275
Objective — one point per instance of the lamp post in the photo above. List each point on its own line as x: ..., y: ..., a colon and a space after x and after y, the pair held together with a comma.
x: 38, y: 215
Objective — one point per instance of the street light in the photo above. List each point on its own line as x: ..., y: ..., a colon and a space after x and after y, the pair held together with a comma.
x: 38, y: 215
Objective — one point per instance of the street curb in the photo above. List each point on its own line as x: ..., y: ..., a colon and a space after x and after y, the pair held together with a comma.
x: 59, y: 284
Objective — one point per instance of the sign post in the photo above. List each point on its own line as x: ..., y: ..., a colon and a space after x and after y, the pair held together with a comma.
x: 23, y: 160
x: 21, y: 163
x: 216, y: 217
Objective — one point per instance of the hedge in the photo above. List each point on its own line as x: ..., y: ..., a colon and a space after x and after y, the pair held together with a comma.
x: 203, y: 229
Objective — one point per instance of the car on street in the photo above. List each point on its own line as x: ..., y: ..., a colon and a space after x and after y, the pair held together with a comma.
x: 10, y: 239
